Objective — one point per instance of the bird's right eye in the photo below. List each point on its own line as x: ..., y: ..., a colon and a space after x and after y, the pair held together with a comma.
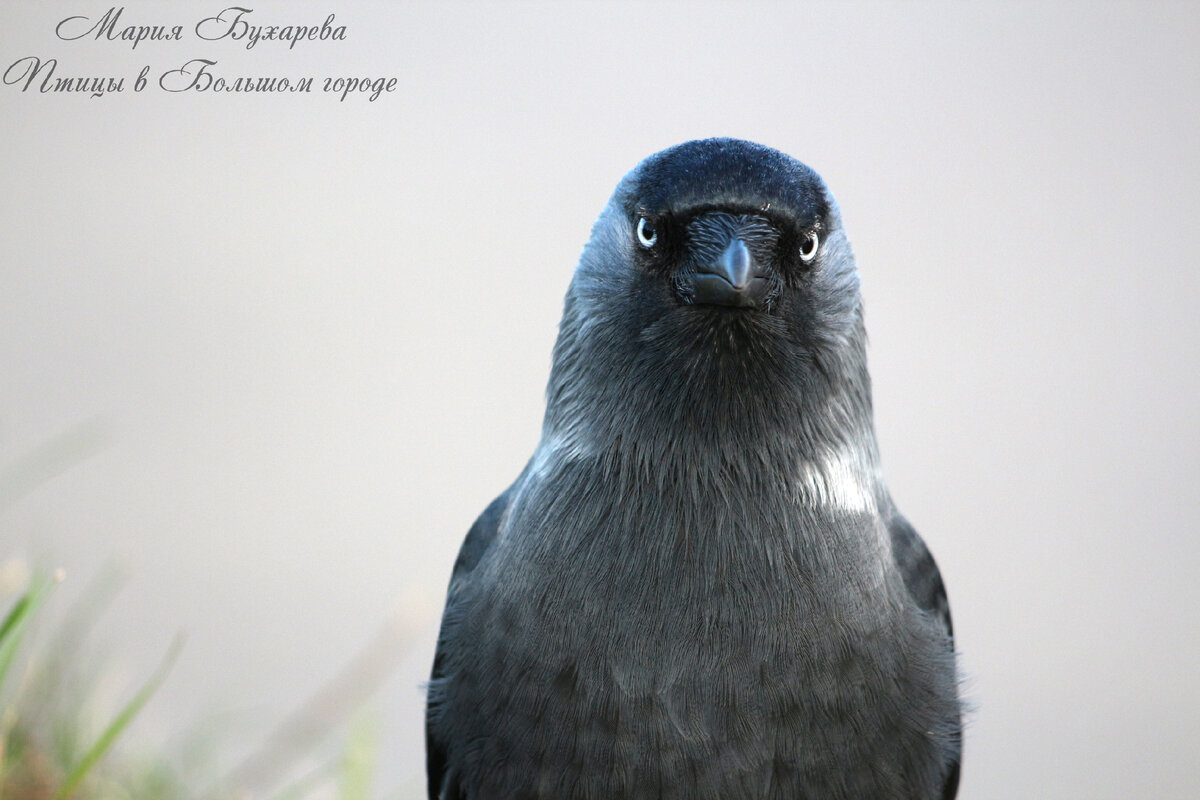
x: 647, y: 234
x: 808, y: 251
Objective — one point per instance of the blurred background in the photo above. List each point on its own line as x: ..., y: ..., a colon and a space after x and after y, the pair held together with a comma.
x: 270, y: 354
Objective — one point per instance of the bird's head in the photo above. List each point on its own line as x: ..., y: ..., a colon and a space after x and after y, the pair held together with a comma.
x: 718, y: 272
x: 722, y: 229
x: 727, y: 224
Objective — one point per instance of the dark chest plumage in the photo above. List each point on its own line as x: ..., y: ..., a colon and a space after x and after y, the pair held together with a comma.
x: 656, y: 647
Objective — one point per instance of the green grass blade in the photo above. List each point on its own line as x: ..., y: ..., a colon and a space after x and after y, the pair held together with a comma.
x: 12, y: 629
x: 19, y: 611
x: 119, y: 723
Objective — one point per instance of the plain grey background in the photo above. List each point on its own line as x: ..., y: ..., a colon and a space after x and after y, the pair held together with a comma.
x: 302, y: 342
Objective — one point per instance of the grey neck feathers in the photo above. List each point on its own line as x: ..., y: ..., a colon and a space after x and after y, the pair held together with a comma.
x: 726, y: 406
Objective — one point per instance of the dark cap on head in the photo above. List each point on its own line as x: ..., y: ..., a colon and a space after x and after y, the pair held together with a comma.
x: 729, y: 175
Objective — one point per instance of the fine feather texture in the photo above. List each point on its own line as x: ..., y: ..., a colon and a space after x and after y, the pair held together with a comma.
x: 699, y: 586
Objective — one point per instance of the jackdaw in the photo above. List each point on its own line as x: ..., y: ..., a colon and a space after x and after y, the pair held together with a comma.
x: 699, y: 587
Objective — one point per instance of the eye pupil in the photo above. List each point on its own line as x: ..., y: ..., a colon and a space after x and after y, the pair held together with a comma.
x: 646, y: 233
x: 808, y: 250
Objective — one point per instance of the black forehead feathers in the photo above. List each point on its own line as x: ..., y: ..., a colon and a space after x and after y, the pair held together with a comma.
x: 728, y: 175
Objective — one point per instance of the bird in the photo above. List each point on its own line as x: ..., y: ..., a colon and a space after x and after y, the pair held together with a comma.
x: 699, y: 585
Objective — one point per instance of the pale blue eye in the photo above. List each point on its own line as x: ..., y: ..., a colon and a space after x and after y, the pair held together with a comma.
x: 808, y: 250
x: 646, y: 233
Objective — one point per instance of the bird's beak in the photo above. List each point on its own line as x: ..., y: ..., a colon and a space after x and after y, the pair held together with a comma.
x: 733, y: 279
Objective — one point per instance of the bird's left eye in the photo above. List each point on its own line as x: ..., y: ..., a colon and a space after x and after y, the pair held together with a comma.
x: 808, y: 250
x: 646, y: 233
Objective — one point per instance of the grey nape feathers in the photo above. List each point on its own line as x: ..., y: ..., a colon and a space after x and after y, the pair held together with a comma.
x: 699, y: 586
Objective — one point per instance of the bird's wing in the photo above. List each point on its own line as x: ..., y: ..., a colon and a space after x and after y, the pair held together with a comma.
x: 924, y: 583
x: 479, y: 538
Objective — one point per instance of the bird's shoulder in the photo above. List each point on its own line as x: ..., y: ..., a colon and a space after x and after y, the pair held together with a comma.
x: 474, y: 548
x: 919, y: 570
x: 481, y: 535
x: 923, y: 580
